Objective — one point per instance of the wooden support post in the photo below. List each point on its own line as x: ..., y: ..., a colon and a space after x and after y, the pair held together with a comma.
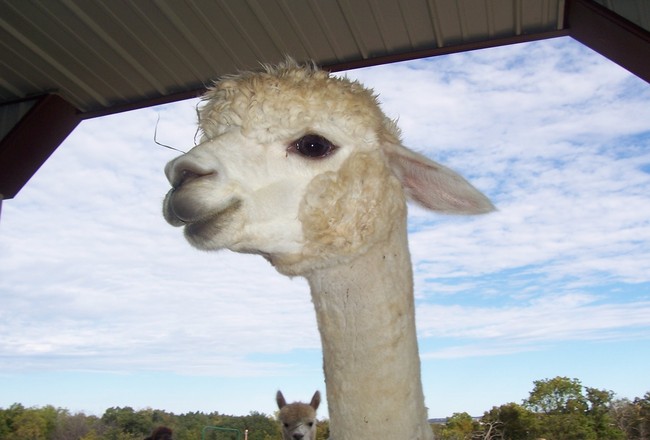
x: 32, y: 140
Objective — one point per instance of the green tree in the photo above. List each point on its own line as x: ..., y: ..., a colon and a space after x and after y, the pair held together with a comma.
x: 7, y: 417
x: 567, y: 413
x: 28, y: 424
x: 6, y: 421
x: 561, y: 406
x: 460, y: 426
x: 91, y: 435
x: 625, y: 415
x: 512, y: 422
x: 602, y: 423
x: 322, y: 430
x: 189, y: 425
x: 633, y: 417
x: 126, y: 424
x: 73, y: 427
x: 643, y: 405
x: 559, y: 395
x: 261, y: 427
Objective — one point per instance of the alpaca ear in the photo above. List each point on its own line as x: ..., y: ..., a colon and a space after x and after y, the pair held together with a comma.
x: 315, y: 401
x: 435, y: 186
x: 279, y: 398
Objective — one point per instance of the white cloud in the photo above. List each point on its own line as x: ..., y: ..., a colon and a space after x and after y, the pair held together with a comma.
x: 527, y: 326
x: 93, y: 279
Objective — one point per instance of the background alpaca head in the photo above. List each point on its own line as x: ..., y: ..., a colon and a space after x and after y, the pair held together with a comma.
x: 298, y: 419
x: 303, y: 168
x: 160, y: 433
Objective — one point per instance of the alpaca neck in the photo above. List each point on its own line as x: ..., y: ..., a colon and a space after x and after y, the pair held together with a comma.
x: 366, y: 320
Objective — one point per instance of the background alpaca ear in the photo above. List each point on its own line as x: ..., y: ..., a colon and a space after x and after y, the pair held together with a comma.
x: 435, y: 186
x: 279, y: 398
x: 315, y: 401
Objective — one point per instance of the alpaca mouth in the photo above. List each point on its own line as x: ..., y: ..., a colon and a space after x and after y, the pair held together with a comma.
x: 184, y: 211
x: 208, y: 227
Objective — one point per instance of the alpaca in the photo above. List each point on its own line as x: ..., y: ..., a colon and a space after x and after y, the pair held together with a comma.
x: 304, y: 168
x: 298, y: 419
x: 160, y: 433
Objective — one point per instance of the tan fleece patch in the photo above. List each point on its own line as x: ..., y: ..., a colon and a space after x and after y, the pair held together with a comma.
x: 346, y: 212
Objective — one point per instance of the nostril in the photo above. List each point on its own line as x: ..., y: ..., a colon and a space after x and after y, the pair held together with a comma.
x: 184, y: 170
x: 184, y: 177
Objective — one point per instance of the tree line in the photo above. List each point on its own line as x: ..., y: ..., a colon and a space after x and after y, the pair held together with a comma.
x: 124, y: 423
x: 556, y: 409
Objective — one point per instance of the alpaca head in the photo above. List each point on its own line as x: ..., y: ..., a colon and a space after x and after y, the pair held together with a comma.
x: 160, y: 433
x: 298, y: 419
x: 303, y: 168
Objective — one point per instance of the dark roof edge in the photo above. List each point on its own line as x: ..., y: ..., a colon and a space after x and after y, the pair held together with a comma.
x: 611, y: 35
x: 32, y: 140
x: 159, y: 100
x: 336, y: 67
x: 447, y: 50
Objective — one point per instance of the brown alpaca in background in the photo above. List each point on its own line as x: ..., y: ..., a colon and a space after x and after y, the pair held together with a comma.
x: 298, y: 419
x: 160, y: 433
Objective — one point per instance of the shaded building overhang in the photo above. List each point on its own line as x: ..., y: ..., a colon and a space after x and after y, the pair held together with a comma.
x: 69, y: 61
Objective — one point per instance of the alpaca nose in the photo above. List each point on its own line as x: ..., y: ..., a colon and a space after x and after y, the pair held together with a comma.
x: 184, y: 169
x: 297, y: 436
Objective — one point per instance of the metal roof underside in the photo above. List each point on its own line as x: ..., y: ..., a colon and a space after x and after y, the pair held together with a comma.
x: 62, y: 61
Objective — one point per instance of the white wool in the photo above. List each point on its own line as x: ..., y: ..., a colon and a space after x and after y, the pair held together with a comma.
x: 338, y: 219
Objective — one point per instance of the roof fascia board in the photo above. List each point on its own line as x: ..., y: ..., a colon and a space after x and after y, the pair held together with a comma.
x: 32, y: 140
x: 611, y: 35
x: 337, y: 67
x: 136, y: 105
x: 446, y: 50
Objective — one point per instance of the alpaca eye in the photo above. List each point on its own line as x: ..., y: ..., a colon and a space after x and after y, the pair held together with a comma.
x: 286, y: 425
x: 313, y: 146
x: 311, y: 424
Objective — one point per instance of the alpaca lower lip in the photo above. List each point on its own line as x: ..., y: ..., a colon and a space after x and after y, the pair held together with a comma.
x: 184, y: 205
x: 212, y: 224
x: 183, y: 210
x: 168, y: 211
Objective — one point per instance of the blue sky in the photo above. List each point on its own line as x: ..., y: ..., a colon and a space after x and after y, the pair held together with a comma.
x: 103, y: 304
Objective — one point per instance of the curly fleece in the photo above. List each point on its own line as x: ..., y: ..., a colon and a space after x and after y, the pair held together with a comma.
x: 345, y: 213
x: 289, y: 98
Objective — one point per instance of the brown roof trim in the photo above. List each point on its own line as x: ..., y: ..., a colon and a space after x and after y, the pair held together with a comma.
x: 611, y: 35
x: 159, y: 100
x: 32, y: 140
x: 463, y: 47
x: 336, y: 67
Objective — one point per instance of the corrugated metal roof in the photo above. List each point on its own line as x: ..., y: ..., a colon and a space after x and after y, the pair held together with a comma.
x: 99, y: 54
x: 104, y: 56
